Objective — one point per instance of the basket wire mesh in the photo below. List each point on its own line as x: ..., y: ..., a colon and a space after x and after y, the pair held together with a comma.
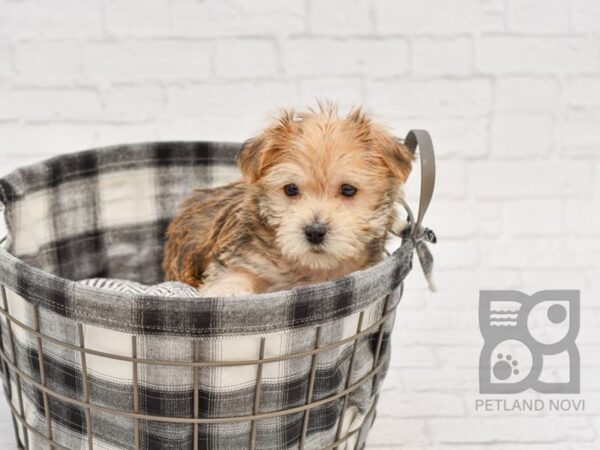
x: 11, y: 371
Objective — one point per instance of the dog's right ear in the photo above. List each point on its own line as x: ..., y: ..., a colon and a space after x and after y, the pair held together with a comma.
x: 249, y: 158
x: 262, y: 151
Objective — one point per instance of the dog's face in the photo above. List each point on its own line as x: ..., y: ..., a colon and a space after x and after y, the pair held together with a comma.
x: 326, y: 185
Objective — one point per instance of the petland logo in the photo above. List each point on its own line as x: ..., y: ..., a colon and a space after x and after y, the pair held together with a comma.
x: 529, y: 343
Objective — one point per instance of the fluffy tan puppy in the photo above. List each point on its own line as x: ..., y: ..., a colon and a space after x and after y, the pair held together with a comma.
x: 315, y: 203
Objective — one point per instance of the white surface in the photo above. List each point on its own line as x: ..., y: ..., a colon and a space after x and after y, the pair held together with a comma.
x: 509, y: 89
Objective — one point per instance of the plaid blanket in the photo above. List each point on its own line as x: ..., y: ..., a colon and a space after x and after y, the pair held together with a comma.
x: 103, y: 214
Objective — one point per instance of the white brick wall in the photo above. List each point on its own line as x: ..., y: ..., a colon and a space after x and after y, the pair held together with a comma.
x: 509, y: 89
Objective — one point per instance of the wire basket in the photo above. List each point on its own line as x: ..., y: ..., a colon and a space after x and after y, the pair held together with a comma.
x: 85, y: 367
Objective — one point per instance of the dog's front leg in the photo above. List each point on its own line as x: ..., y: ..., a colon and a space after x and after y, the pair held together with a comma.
x: 228, y: 284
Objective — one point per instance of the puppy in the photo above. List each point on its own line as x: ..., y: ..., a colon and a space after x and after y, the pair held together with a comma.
x: 315, y: 203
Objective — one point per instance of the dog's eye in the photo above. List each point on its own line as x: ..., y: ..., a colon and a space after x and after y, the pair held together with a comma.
x: 291, y: 190
x: 347, y: 191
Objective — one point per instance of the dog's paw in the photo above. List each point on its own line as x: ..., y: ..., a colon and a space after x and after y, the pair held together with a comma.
x: 399, y: 225
x: 222, y: 290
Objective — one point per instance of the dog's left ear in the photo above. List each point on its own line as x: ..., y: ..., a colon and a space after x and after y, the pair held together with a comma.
x: 396, y: 156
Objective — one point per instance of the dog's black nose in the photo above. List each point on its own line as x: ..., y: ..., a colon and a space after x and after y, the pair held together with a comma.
x: 315, y: 233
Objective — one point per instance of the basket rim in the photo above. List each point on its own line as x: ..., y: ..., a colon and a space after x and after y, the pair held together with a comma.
x: 88, y: 304
x: 32, y: 289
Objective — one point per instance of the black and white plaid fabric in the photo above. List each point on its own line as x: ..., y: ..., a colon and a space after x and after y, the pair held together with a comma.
x: 103, y: 214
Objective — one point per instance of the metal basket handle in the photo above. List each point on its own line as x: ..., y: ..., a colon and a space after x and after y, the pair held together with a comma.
x: 422, y: 140
x: 420, y: 234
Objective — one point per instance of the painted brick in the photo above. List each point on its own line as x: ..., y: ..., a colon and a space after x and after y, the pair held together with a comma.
x: 28, y: 143
x: 505, y: 430
x: 449, y: 337
x: 346, y: 92
x: 452, y: 179
x: 138, y: 17
x: 537, y: 280
x: 436, y: 380
x: 462, y: 285
x: 224, y: 99
x: 583, y: 253
x: 456, y: 255
x: 436, y: 17
x: 421, y: 404
x: 320, y: 56
x: 427, y: 98
x: 253, y: 58
x: 582, y: 218
x: 147, y: 60
x: 52, y: 104
x: 106, y: 134
x: 430, y: 320
x: 538, y: 16
x: 535, y: 179
x: 583, y: 92
x: 442, y: 56
x: 456, y: 138
x: 401, y: 432
x: 191, y: 18
x: 45, y: 63
x: 339, y: 17
x: 461, y: 219
x: 578, y: 135
x: 133, y: 103
x: 522, y: 136
x: 535, y: 94
x: 6, y: 59
x: 222, y: 127
x: 462, y: 358
x: 535, y: 55
x: 522, y: 253
x: 61, y: 19
x: 413, y: 356
x: 585, y: 15
x: 539, y: 217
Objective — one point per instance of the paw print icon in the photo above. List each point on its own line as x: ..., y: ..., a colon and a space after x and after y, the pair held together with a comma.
x: 529, y: 342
